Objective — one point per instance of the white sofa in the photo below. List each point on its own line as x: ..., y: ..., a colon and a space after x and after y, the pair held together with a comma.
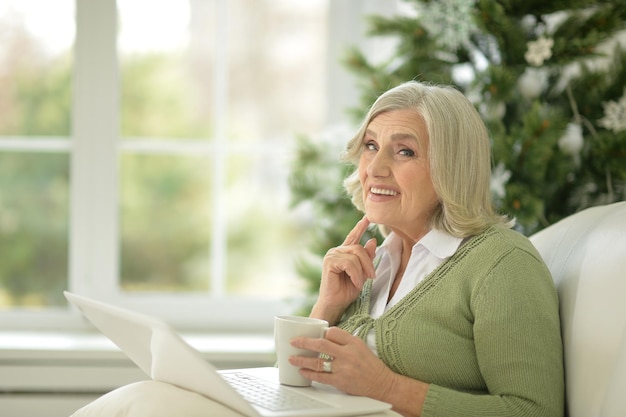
x: 586, y: 253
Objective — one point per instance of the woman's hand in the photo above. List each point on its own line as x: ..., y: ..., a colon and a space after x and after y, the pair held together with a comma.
x: 345, y: 270
x: 354, y: 367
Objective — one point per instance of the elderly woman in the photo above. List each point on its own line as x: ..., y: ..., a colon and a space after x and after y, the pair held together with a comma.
x: 454, y: 314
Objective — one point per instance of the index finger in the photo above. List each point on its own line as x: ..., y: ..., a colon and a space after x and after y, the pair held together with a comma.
x: 329, y: 345
x: 354, y: 237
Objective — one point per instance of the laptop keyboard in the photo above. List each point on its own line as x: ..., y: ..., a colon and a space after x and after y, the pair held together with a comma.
x: 270, y: 396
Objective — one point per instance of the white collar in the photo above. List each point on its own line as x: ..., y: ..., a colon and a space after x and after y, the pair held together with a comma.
x: 429, y: 252
x: 438, y: 242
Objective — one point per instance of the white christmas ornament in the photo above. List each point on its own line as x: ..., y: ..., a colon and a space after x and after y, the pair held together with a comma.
x: 614, y: 115
x: 499, y: 177
x: 492, y: 110
x: 532, y: 82
x: 450, y: 21
x: 539, y: 51
x: 571, y: 143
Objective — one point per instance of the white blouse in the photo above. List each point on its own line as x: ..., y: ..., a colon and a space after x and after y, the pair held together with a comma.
x: 427, y: 254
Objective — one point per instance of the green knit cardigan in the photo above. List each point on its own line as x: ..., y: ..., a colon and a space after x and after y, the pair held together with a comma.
x: 483, y: 329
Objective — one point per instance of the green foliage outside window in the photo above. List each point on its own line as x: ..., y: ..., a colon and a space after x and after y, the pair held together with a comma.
x: 159, y: 254
x: 34, y: 186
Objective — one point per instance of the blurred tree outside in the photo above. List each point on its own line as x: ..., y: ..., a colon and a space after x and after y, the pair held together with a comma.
x: 164, y: 210
x: 164, y: 199
x: 165, y: 223
x: 33, y: 228
x: 34, y: 195
x: 34, y: 186
x: 549, y: 79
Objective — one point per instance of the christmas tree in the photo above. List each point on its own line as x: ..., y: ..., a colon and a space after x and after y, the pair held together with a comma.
x: 549, y: 79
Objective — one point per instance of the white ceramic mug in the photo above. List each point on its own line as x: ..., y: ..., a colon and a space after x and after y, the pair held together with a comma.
x: 285, y: 329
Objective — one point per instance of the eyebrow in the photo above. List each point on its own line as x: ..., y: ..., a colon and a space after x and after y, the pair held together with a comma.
x: 395, y: 137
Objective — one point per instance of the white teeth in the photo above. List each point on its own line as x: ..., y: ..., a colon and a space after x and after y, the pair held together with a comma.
x: 383, y: 191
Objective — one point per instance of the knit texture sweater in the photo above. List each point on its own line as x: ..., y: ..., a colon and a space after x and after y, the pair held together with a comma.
x: 482, y: 329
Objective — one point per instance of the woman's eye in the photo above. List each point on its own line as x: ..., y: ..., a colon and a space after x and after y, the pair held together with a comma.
x: 407, y: 152
x: 370, y: 146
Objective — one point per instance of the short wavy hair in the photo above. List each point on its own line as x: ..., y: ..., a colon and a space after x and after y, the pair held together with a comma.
x: 459, y: 156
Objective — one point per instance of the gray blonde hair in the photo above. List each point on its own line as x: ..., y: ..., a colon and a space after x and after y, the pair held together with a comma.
x: 459, y: 156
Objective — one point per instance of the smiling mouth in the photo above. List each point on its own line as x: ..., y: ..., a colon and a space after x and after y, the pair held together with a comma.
x: 383, y: 191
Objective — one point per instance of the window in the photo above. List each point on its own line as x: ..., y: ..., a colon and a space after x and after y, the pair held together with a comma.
x: 35, y: 111
x: 145, y: 148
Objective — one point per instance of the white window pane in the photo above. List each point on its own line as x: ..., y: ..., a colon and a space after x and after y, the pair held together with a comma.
x: 36, y: 41
x: 33, y: 229
x: 166, y: 93
x: 273, y: 52
x: 264, y: 235
x: 36, y: 38
x: 165, y: 223
x: 244, y: 77
x: 277, y: 55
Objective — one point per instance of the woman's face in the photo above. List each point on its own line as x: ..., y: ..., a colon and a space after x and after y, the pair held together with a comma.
x: 395, y: 174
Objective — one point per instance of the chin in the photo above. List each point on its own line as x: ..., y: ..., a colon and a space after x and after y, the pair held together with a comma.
x: 375, y: 218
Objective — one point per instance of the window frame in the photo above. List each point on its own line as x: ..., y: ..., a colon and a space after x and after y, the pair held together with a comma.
x: 95, y: 193
x: 95, y: 146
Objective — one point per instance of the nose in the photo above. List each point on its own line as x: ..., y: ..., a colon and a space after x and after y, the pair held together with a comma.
x: 379, y: 165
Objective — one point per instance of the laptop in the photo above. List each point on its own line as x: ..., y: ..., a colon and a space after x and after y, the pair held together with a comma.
x: 164, y: 356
